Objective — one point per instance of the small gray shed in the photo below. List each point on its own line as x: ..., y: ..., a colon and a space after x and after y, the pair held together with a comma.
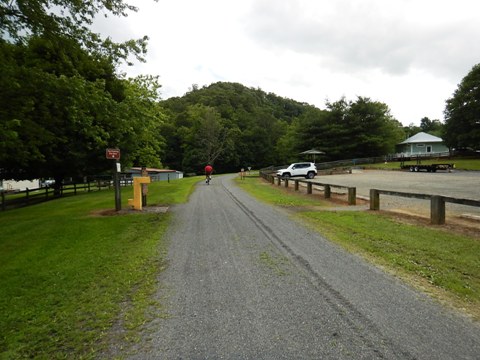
x: 422, y: 144
x: 156, y: 174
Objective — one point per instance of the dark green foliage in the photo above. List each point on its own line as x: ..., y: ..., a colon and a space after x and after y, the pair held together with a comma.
x: 61, y: 108
x: 259, y: 129
x: 248, y: 124
x: 462, y: 113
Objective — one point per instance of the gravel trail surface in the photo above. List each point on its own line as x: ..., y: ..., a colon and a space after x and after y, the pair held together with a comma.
x: 244, y: 281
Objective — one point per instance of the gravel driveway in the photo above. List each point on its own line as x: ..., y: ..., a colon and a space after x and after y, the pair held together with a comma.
x: 244, y: 281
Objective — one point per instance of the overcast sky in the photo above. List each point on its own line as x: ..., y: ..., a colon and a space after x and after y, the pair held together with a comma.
x: 409, y: 54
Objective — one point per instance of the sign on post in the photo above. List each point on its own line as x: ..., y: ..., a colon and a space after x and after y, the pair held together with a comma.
x: 113, y: 154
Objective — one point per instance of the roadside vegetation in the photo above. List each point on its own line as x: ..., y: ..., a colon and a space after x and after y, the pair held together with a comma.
x: 441, y: 263
x: 71, y: 270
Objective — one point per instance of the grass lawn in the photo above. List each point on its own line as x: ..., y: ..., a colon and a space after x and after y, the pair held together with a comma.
x: 443, y: 264
x: 68, y: 275
x: 460, y: 163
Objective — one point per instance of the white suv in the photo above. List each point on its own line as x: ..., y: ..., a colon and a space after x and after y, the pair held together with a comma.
x: 308, y: 170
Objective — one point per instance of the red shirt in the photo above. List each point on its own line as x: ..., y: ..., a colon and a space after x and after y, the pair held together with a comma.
x: 208, y: 169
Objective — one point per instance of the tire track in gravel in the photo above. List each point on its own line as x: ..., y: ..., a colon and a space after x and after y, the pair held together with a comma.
x: 365, y: 329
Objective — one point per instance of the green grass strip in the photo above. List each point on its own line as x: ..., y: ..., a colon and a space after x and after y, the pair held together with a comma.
x: 445, y: 260
x: 67, y: 275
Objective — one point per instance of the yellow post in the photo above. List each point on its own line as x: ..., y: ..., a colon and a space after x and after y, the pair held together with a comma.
x: 136, y: 202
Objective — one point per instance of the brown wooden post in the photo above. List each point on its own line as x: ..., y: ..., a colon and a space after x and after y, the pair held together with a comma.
x: 374, y: 199
x: 286, y: 183
x: 279, y: 181
x: 296, y: 185
x: 272, y: 179
x: 309, y: 188
x: 437, y: 210
x: 352, y: 196
x: 327, y: 191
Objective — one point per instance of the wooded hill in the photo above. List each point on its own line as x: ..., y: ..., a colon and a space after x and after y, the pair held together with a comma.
x: 233, y: 126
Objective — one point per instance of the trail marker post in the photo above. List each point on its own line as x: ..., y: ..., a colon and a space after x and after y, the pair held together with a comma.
x: 114, y: 154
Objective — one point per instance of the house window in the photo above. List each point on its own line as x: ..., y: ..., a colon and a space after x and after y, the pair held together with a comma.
x: 429, y: 148
x: 420, y: 145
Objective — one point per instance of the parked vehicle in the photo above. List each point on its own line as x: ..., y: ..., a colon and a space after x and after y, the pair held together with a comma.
x: 48, y: 183
x: 428, y: 168
x: 304, y: 169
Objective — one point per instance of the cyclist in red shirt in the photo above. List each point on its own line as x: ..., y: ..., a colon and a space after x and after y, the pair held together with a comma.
x: 208, y: 173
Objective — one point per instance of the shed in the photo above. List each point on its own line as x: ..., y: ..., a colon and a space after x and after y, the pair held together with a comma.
x: 156, y: 174
x: 422, y: 144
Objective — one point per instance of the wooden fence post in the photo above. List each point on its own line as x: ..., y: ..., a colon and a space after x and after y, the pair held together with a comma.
x: 352, y: 196
x: 309, y: 188
x: 374, y: 199
x: 279, y: 181
x: 286, y: 183
x: 327, y: 191
x: 437, y: 210
x: 296, y: 185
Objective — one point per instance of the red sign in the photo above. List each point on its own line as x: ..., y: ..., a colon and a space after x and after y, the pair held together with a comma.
x: 112, y: 154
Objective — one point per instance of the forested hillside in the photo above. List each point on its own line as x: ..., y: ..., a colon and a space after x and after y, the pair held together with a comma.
x: 233, y: 126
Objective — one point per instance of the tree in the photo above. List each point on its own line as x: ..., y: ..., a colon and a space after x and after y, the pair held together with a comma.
x: 208, y: 138
x: 59, y: 116
x: 52, y: 19
x: 61, y: 100
x: 462, y: 113
x: 433, y: 127
x: 348, y: 129
x: 143, y: 116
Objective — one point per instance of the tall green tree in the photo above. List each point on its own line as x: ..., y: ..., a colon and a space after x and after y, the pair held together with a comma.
x: 462, y: 113
x: 52, y: 19
x: 349, y: 129
x: 142, y: 118
x: 433, y: 127
x: 61, y: 99
x: 207, y: 139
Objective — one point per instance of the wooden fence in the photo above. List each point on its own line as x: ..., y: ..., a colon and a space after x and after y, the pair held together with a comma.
x: 437, y: 202
x: 326, y: 188
x: 11, y: 200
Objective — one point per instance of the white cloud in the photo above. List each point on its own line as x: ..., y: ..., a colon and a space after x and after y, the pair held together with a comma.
x: 410, y: 54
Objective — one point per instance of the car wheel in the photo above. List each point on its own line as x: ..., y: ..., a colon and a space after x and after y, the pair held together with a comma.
x: 286, y: 176
x: 412, y: 168
x: 310, y: 175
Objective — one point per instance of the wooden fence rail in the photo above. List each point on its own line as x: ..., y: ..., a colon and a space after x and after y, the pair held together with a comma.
x: 352, y: 191
x: 437, y: 202
x: 11, y: 200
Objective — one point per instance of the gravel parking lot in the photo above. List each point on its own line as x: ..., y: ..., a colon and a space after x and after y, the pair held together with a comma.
x: 459, y: 184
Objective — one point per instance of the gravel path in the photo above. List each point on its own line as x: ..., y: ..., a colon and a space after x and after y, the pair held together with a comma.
x: 246, y: 282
